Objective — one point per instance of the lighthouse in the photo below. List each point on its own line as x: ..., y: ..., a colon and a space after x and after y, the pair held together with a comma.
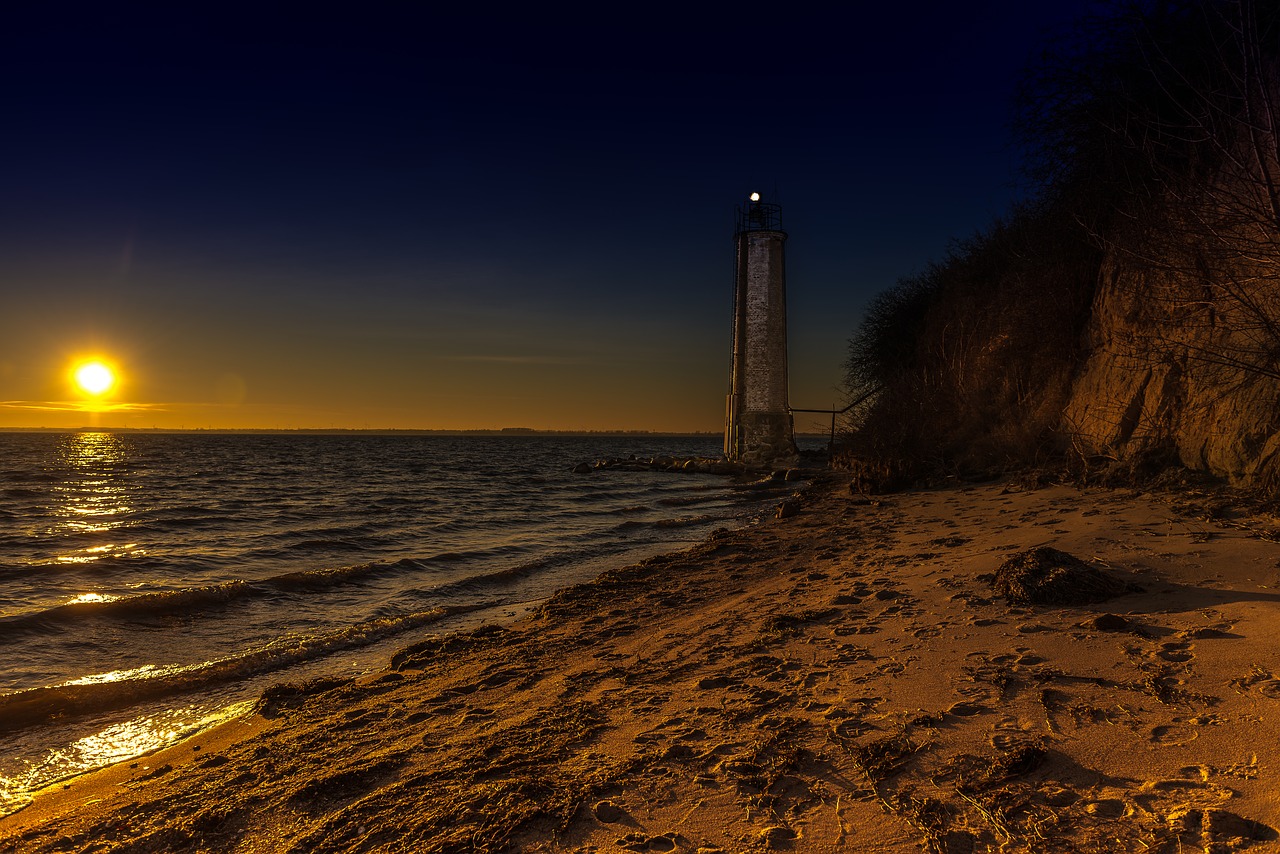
x: 758, y: 428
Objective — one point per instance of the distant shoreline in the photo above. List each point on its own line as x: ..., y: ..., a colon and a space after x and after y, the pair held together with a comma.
x: 391, y: 431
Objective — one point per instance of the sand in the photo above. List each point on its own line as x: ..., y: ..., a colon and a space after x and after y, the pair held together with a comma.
x: 841, y: 679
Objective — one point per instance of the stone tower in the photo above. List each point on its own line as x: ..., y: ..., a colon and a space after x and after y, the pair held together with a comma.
x: 758, y: 427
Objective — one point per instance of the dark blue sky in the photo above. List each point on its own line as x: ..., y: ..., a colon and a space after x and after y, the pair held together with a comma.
x: 385, y: 215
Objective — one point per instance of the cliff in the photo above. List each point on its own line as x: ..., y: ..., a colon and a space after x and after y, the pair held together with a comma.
x: 1149, y: 385
x: 1130, y: 314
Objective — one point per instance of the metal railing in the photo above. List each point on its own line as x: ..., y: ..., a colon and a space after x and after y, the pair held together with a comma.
x: 758, y: 216
x: 831, y: 442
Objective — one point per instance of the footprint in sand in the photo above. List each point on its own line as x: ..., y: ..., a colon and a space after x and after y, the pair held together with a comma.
x: 1106, y: 808
x: 1216, y: 829
x: 640, y: 842
x: 607, y: 812
x: 1056, y: 796
x: 852, y: 728
x: 979, y: 694
x: 1160, y: 796
x: 1010, y: 736
x: 1174, y: 734
x: 1176, y: 651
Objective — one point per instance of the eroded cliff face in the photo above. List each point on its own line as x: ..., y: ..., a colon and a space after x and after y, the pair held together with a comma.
x: 1179, y: 368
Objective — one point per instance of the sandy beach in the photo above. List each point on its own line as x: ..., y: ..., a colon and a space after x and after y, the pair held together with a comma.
x: 844, y: 678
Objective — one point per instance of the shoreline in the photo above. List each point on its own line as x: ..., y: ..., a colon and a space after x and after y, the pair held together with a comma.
x: 62, y: 729
x: 840, y: 677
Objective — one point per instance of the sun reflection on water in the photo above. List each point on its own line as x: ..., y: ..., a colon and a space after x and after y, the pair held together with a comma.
x: 115, y: 743
x: 93, y: 498
x: 143, y: 672
x: 91, y: 598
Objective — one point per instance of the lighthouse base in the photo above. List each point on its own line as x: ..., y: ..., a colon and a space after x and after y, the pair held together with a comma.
x: 763, y: 439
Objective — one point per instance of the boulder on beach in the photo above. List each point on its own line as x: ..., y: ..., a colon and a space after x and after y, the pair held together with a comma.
x: 1045, y: 576
x: 787, y: 509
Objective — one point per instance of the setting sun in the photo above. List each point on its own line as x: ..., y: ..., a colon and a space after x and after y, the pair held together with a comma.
x: 94, y: 378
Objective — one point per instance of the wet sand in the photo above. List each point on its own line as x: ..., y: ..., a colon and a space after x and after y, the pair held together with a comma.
x: 840, y: 679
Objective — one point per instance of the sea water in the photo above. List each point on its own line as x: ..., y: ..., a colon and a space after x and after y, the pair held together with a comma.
x: 152, y: 584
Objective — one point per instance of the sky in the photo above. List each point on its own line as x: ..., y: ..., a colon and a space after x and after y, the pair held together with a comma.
x: 388, y: 216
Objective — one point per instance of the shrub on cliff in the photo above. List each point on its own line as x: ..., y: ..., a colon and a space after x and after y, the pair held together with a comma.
x: 973, y: 357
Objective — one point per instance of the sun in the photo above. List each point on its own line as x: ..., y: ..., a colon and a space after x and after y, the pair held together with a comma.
x: 94, y: 378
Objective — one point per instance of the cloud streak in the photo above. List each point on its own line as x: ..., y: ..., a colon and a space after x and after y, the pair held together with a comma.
x: 81, y: 406
x: 522, y: 360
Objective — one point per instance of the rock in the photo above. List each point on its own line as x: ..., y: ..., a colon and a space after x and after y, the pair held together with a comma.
x: 1045, y: 576
x: 787, y: 509
x: 1109, y: 623
x: 582, y: 468
x: 793, y: 474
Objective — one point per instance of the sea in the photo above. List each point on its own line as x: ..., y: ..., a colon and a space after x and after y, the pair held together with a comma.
x: 152, y: 585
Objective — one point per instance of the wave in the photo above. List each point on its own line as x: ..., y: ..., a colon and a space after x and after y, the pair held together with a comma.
x: 499, y: 577
x: 165, y: 524
x: 146, y: 604
x: 29, y: 476
x: 210, y: 597
x: 101, y: 566
x: 322, y: 579
x: 189, y: 600
x: 179, y: 513
x: 327, y: 545
x: 635, y: 508
x: 680, y: 522
x: 110, y: 691
x: 682, y: 500
x: 22, y: 492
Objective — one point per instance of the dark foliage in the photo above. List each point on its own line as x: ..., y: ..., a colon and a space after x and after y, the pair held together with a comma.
x: 972, y: 358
